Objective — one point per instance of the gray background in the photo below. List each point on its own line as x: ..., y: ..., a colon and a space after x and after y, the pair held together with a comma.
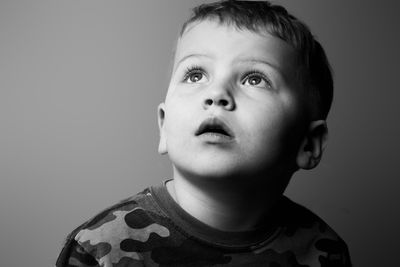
x: 79, y: 85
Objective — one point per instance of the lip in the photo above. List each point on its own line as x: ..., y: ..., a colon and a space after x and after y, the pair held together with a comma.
x: 215, y: 130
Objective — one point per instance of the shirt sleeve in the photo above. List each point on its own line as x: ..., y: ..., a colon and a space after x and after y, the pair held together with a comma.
x: 74, y: 255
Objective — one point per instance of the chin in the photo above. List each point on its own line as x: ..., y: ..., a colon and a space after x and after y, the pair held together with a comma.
x: 206, y: 170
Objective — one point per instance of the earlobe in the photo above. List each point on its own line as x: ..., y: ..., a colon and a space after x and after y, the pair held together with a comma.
x: 162, y: 145
x: 310, y: 151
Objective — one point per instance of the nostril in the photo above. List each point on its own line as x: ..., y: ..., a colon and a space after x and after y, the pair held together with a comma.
x: 209, y: 102
x: 223, y: 102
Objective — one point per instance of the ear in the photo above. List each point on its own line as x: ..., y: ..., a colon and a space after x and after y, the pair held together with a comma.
x: 310, y: 151
x: 162, y: 146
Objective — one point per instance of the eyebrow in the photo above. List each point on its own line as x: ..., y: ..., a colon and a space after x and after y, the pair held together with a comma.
x: 191, y: 55
x: 277, y: 69
x: 238, y: 60
x: 256, y: 60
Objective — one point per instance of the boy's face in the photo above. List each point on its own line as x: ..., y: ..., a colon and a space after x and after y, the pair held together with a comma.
x: 233, y: 106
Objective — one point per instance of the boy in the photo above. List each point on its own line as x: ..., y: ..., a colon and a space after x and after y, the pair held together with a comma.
x: 246, y: 107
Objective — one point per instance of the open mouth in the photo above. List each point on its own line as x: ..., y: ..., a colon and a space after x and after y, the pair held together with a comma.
x: 214, y: 126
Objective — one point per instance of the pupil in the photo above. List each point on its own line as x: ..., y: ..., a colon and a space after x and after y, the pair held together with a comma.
x: 196, y: 77
x: 255, y: 80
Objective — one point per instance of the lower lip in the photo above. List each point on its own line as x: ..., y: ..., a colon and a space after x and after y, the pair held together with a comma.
x: 215, y: 138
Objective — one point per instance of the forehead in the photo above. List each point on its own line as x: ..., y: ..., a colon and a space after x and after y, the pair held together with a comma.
x: 216, y: 41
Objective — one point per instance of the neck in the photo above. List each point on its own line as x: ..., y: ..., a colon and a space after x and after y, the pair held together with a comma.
x: 224, y: 205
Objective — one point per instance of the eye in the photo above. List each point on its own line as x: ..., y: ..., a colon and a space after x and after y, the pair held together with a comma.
x: 194, y: 75
x: 256, y: 79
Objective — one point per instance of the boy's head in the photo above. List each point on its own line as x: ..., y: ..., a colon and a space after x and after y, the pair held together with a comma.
x: 314, y: 72
x: 248, y: 97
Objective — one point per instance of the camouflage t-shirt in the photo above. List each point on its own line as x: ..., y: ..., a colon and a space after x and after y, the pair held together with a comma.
x: 151, y: 229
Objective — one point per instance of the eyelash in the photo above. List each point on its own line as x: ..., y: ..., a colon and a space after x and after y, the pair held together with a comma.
x: 192, y: 69
x: 257, y: 73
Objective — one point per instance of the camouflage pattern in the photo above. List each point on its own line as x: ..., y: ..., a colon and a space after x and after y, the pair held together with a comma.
x: 139, y: 232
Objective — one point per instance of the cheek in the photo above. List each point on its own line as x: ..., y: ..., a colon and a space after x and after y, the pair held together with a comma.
x: 178, y: 120
x: 269, y: 132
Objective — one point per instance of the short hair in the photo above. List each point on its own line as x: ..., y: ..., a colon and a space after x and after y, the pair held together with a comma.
x: 315, y: 74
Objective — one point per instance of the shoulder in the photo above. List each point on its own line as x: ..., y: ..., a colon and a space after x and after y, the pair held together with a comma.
x: 305, y: 229
x: 105, y: 236
x: 299, y: 220
x: 296, y: 218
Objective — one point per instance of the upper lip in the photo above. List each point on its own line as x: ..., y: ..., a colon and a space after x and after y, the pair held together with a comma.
x: 214, y: 125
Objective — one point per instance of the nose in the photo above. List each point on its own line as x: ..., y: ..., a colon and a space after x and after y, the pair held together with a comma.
x: 219, y: 97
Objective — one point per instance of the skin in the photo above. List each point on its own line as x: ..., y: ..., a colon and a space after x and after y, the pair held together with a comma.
x: 247, y: 81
